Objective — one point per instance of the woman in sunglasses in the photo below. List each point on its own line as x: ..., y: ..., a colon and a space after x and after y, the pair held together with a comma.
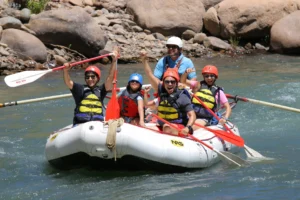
x: 174, y: 105
x: 131, y: 101
x: 89, y: 97
x: 211, y: 94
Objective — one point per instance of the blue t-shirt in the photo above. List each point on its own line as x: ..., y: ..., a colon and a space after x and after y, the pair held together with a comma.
x: 185, y: 64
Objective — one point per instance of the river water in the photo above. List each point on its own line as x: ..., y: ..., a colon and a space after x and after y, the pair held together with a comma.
x: 275, y: 133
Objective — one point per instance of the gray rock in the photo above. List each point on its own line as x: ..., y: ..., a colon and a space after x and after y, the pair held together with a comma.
x: 199, y: 38
x: 3, y: 52
x: 24, y: 44
x: 172, y: 18
x: 137, y: 29
x: 216, y: 43
x: 285, y: 34
x: 188, y: 34
x: 10, y: 22
x: 25, y: 15
x: 65, y: 27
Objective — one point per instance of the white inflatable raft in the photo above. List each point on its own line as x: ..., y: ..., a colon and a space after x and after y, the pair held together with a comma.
x: 136, y: 148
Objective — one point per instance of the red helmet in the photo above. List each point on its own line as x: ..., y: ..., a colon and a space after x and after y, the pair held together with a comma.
x: 210, y: 69
x: 94, y: 69
x: 173, y: 72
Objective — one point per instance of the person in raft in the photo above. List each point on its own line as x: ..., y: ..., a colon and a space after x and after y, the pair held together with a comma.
x: 175, y: 59
x: 211, y: 94
x: 131, y: 101
x: 174, y: 105
x: 89, y: 97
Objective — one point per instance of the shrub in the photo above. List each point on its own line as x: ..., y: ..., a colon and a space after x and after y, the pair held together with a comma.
x: 36, y: 6
x: 234, y: 41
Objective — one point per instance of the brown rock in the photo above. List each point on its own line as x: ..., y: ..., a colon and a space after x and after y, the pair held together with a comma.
x: 285, y: 36
x: 24, y: 44
x: 249, y: 19
x: 172, y: 17
x: 73, y: 27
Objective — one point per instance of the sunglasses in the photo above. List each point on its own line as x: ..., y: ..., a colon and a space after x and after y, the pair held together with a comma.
x: 172, y: 46
x: 210, y: 75
x: 133, y: 81
x: 91, y: 76
x: 168, y: 82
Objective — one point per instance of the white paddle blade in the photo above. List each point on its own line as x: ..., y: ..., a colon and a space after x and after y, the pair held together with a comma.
x: 25, y: 77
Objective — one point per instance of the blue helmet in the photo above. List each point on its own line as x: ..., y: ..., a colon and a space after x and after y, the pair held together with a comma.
x: 136, y: 77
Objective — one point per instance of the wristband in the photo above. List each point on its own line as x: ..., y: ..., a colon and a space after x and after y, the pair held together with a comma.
x: 191, y: 131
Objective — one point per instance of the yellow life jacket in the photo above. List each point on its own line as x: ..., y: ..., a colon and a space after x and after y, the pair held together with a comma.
x: 166, y: 111
x: 168, y: 108
x: 206, y: 96
x: 90, y: 107
x: 91, y: 104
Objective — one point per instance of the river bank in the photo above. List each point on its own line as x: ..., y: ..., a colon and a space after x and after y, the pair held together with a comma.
x: 69, y: 30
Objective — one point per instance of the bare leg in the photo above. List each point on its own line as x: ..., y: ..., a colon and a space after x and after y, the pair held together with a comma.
x: 200, y: 122
x: 170, y: 130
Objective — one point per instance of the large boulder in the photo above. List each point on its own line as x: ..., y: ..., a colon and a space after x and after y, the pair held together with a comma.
x: 285, y: 36
x: 247, y: 19
x: 168, y: 17
x: 74, y: 28
x: 24, y: 44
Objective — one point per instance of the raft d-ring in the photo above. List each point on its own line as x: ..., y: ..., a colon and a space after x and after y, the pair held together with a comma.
x: 91, y: 127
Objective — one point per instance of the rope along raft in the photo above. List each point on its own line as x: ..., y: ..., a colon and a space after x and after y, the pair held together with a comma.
x: 113, y: 124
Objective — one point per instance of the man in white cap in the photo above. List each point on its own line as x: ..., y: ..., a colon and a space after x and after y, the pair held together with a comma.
x: 175, y: 59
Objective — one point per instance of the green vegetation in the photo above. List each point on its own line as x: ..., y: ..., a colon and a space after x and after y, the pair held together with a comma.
x: 234, y: 41
x: 36, y: 6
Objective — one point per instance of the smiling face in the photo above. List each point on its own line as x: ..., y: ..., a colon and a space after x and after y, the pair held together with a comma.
x: 173, y: 51
x: 170, y: 84
x: 91, y: 79
x: 209, y: 79
x: 134, y: 85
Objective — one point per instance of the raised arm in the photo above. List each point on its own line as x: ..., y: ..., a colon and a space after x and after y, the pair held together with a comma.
x: 193, y: 83
x: 109, y: 79
x: 69, y: 83
x: 146, y: 92
x: 153, y: 80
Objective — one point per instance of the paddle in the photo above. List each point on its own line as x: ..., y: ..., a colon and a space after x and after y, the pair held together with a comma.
x: 26, y: 77
x: 225, y: 155
x: 250, y: 152
x: 232, y: 138
x: 263, y: 103
x: 113, y: 107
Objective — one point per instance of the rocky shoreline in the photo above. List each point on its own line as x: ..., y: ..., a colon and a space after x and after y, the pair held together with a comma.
x: 72, y: 30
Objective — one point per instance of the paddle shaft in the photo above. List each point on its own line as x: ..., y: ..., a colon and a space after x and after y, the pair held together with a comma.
x: 83, y: 61
x: 263, y: 103
x: 15, y: 103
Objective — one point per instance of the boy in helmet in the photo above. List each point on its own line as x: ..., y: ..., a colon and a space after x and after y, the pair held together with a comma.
x: 89, y: 97
x: 174, y: 59
x: 211, y: 94
x: 174, y: 105
x: 131, y: 101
